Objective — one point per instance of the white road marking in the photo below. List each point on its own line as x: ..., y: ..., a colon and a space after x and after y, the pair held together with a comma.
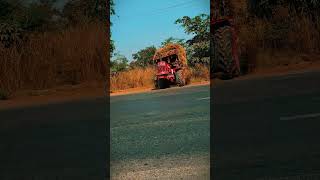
x: 205, y: 98
x: 300, y: 117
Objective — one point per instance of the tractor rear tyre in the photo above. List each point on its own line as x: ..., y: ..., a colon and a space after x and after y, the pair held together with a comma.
x: 223, y: 52
x: 180, y: 80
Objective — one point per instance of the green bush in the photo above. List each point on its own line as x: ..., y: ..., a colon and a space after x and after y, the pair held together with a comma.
x: 4, y: 95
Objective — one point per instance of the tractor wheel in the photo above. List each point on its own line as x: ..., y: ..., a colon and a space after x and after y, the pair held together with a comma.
x: 156, y: 84
x: 223, y: 52
x: 162, y: 83
x: 180, y: 80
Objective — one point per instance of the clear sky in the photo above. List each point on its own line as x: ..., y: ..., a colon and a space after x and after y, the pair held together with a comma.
x: 142, y: 23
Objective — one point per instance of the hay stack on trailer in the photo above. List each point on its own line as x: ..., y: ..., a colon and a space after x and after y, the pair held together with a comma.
x: 172, y: 49
x: 172, y: 67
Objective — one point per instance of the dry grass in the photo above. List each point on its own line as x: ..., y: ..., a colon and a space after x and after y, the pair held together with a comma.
x: 200, y: 73
x: 143, y: 77
x: 137, y: 77
x: 267, y: 43
x: 50, y: 59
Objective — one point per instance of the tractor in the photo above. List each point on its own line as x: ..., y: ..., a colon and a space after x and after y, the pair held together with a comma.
x: 224, y: 48
x: 171, y: 66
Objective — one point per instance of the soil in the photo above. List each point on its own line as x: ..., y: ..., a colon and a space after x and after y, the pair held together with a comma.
x: 145, y: 89
x: 55, y: 95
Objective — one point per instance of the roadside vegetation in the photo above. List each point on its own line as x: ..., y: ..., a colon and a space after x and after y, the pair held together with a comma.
x: 271, y: 34
x: 140, y: 71
x: 44, y: 46
x: 277, y: 33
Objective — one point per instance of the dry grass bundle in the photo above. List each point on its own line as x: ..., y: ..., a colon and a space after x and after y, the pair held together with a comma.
x: 171, y: 49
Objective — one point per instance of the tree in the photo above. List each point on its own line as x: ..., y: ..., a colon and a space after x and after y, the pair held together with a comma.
x: 112, y: 12
x: 264, y: 8
x: 144, y: 57
x: 198, y: 48
x: 35, y: 16
x: 119, y: 63
x: 174, y: 40
x: 86, y: 10
x: 198, y: 53
x: 40, y: 16
x: 198, y: 26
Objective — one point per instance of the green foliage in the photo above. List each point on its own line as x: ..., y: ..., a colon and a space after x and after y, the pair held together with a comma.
x: 39, y: 16
x: 85, y: 10
x: 112, y: 12
x: 198, y: 25
x: 264, y: 8
x: 198, y: 47
x: 10, y: 34
x: 42, y: 15
x: 119, y: 63
x: 199, y: 53
x: 144, y: 57
x: 36, y: 16
x: 112, y: 47
x: 4, y: 95
x: 174, y: 40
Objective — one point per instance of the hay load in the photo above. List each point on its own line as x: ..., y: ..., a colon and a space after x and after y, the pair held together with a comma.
x: 169, y: 50
x: 172, y: 67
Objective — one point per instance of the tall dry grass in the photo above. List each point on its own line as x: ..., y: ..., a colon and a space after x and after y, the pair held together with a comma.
x: 265, y: 42
x: 200, y: 73
x: 50, y: 59
x: 144, y: 77
x: 133, y: 78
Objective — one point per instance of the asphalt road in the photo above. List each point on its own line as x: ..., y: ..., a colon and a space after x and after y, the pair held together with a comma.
x: 161, y: 134
x: 267, y: 128
x: 57, y: 141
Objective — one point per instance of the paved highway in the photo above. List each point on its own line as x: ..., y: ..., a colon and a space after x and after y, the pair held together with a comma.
x: 163, y: 134
x: 262, y: 128
x: 267, y: 127
x: 53, y: 142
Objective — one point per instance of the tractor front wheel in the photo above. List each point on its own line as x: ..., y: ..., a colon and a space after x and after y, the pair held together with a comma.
x: 156, y: 84
x: 162, y: 83
x: 180, y: 80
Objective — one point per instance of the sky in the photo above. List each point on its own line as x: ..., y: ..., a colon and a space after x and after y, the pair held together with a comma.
x: 142, y: 23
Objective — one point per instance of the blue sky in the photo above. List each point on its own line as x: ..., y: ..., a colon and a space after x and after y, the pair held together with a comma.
x: 142, y: 23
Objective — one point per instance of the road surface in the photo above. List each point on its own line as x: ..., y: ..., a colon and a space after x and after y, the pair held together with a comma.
x: 53, y: 142
x: 163, y: 134
x: 262, y: 128
x: 267, y: 128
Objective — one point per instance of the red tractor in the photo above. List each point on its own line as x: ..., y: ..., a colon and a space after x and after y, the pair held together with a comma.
x: 171, y: 66
x: 224, y: 45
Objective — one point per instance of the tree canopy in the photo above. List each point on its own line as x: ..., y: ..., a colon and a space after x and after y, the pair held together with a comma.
x: 119, y: 63
x: 198, y: 26
x: 174, y: 40
x: 144, y: 57
x: 198, y: 48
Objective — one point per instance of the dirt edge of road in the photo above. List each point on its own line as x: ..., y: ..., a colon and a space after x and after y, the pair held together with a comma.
x: 95, y: 90
x: 146, y: 89
x: 67, y: 94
